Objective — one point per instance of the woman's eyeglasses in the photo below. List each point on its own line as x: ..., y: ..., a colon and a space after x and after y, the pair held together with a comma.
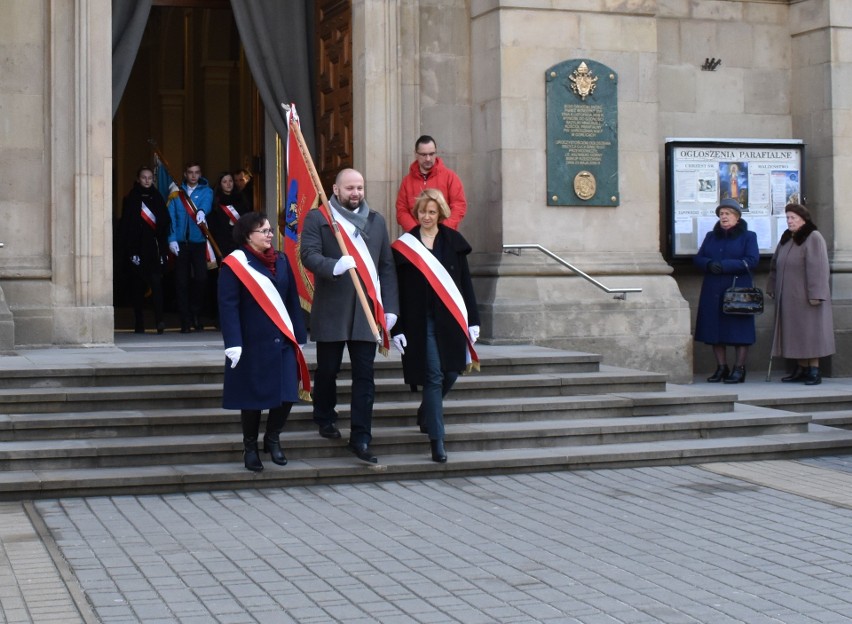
x: 265, y: 231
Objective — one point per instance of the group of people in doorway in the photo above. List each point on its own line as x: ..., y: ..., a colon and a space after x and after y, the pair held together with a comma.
x: 798, y: 282
x: 421, y: 282
x: 159, y: 227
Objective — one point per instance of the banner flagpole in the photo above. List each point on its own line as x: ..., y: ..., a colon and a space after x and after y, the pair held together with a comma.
x: 359, y: 289
x: 188, y: 199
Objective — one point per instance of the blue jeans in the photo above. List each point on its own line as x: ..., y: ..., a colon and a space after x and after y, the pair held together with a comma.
x: 438, y: 384
x: 329, y: 357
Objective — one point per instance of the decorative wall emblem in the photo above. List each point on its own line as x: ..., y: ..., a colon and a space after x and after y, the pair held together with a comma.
x: 582, y: 81
x: 585, y: 185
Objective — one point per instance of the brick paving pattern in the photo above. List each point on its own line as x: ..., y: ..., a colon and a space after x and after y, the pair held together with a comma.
x: 673, y: 545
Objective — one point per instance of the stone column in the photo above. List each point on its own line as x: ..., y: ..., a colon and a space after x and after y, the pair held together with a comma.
x: 530, y: 298
x: 821, y: 33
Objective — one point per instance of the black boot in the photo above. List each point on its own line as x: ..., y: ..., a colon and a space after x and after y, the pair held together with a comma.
x: 812, y: 378
x: 274, y: 424
x: 798, y: 375
x: 250, y: 420
x: 737, y: 375
x: 438, y: 453
x: 722, y: 371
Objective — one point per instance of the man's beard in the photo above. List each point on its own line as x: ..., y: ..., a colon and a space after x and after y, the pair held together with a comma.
x: 352, y: 204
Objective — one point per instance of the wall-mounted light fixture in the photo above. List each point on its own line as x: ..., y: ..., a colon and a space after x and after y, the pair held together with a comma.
x: 710, y: 64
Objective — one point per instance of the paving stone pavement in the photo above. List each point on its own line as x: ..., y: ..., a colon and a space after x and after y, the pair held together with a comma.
x: 753, y: 542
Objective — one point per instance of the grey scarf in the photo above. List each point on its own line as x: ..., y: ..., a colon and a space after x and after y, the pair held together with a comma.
x: 357, y: 217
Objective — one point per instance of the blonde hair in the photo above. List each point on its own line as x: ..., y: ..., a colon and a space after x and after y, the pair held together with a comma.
x: 432, y: 195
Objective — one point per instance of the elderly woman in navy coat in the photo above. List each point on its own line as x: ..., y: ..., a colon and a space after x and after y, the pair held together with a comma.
x: 263, y: 370
x: 728, y: 250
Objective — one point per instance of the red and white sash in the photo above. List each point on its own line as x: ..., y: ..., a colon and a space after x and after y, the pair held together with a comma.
x: 231, y: 212
x: 149, y: 217
x: 440, y: 281
x: 262, y: 289
x: 366, y: 269
x: 192, y: 211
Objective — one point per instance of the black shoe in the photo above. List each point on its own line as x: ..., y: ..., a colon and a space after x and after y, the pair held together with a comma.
x: 798, y: 375
x: 199, y: 326
x: 737, y: 375
x: 329, y: 431
x: 184, y: 329
x: 272, y: 445
x: 813, y: 377
x: 722, y: 371
x: 251, y: 458
x: 438, y: 453
x: 362, y: 452
x: 161, y: 327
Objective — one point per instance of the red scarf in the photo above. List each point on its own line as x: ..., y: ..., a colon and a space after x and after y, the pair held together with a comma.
x: 268, y: 257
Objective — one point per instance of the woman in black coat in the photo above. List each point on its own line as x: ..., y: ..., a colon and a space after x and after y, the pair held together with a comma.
x: 143, y: 238
x: 729, y: 251
x: 431, y: 338
x: 264, y: 369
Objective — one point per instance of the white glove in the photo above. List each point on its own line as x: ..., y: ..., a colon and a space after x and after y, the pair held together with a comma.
x: 200, y: 217
x: 174, y: 247
x: 473, y: 332
x: 233, y: 354
x: 390, y: 320
x: 400, y: 343
x: 135, y: 260
x: 344, y: 264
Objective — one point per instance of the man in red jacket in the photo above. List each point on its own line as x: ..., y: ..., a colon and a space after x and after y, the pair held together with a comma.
x: 428, y: 171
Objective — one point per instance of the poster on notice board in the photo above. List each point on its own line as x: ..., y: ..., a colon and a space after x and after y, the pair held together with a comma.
x: 762, y: 175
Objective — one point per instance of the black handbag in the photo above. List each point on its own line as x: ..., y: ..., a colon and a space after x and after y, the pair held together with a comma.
x: 743, y: 300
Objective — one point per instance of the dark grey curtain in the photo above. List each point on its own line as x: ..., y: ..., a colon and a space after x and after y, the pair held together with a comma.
x: 128, y: 25
x: 276, y: 38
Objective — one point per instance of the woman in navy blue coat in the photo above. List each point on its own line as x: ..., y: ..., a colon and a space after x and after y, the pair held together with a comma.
x: 728, y: 250
x: 263, y: 370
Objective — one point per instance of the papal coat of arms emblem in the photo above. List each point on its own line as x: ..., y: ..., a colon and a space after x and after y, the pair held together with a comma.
x: 582, y: 81
x: 585, y: 185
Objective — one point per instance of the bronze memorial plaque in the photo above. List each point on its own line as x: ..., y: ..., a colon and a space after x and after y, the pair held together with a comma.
x: 582, y: 134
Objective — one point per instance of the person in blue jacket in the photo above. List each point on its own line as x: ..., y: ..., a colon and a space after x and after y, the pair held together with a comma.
x: 728, y: 250
x: 187, y: 243
x: 262, y: 373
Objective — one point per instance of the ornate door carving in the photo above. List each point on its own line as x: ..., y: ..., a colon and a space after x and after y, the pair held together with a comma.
x: 333, y: 19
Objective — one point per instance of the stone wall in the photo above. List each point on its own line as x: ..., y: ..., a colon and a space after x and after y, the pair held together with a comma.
x: 55, y: 268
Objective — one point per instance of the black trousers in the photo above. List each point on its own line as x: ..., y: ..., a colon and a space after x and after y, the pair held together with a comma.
x: 190, y: 278
x: 329, y: 357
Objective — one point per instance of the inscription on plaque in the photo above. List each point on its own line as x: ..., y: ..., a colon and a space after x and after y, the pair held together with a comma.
x: 582, y: 134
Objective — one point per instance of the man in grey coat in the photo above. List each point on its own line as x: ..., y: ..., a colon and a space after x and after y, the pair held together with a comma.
x: 337, y: 318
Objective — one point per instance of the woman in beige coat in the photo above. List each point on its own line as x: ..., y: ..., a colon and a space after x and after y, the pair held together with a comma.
x: 799, y: 282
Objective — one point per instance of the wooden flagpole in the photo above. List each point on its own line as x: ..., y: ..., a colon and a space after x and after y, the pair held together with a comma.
x: 201, y: 226
x: 359, y: 289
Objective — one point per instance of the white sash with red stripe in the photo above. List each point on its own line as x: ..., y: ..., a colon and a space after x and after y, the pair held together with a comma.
x: 263, y: 291
x: 440, y: 281
x: 366, y: 268
x: 231, y: 212
x: 149, y: 217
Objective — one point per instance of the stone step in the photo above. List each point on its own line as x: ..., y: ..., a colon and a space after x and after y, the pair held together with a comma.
x: 833, y: 418
x: 145, y: 371
x: 58, y: 482
x: 223, y: 447
x: 190, y: 421
x: 78, y: 399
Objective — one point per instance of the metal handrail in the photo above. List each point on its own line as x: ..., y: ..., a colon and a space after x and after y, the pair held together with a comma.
x: 621, y: 293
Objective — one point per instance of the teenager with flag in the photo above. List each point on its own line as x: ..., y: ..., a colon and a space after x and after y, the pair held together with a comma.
x: 262, y: 329
x: 439, y: 320
x: 337, y: 319
x: 189, y: 245
x: 143, y: 238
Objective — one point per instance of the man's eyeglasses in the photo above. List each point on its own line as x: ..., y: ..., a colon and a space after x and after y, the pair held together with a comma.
x: 426, y: 155
x: 265, y: 231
